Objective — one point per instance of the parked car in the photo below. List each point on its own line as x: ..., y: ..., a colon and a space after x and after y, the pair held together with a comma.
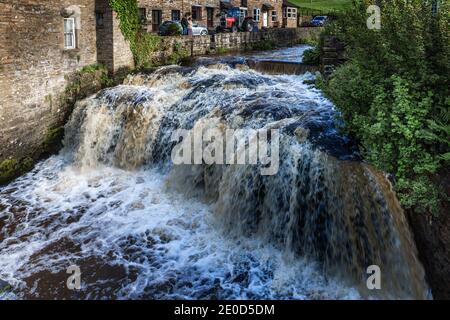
x: 170, y: 28
x: 198, y: 30
x: 319, y: 21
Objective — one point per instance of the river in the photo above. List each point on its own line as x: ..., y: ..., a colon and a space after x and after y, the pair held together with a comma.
x: 138, y: 227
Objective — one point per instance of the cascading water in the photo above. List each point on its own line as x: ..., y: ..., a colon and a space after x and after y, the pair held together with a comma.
x: 139, y: 227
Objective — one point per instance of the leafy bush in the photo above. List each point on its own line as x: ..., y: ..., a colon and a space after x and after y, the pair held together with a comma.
x: 394, y: 94
x: 311, y: 56
x: 263, y: 45
x: 174, y: 30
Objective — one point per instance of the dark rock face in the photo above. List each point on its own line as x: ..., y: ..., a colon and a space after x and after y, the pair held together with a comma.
x: 432, y: 236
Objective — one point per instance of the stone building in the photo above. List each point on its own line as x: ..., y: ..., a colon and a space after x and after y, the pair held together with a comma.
x: 112, y: 49
x: 41, y: 44
x: 268, y: 13
x: 154, y: 12
x: 290, y: 14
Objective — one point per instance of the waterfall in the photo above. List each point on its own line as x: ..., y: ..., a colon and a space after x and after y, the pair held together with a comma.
x: 113, y: 201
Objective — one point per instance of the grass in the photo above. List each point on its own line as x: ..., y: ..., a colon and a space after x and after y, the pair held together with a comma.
x: 324, y: 5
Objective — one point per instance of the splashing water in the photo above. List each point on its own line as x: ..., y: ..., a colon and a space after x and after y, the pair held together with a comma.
x: 139, y: 227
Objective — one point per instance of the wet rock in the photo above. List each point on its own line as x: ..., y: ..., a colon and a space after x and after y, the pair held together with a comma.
x: 432, y: 237
x: 242, y: 67
x: 4, y: 286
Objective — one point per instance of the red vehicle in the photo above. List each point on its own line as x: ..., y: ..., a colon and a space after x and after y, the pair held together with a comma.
x: 232, y: 20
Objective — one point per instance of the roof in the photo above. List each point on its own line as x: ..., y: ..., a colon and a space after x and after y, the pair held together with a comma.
x: 267, y: 6
x: 287, y: 3
x: 225, y: 5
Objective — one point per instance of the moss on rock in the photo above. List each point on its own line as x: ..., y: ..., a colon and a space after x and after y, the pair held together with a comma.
x: 53, y: 141
x: 13, y: 168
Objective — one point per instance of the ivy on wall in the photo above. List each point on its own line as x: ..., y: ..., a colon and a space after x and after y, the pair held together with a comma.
x: 142, y: 44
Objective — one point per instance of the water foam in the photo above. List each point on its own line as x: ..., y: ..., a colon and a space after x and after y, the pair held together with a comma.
x: 112, y: 204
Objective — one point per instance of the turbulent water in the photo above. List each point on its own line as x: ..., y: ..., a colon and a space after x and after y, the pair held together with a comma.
x: 139, y: 227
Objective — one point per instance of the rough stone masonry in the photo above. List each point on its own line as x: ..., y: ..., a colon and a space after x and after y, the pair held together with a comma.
x: 34, y: 63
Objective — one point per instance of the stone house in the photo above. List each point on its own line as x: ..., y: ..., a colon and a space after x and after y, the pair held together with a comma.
x: 268, y: 13
x: 154, y: 12
x: 41, y: 44
x: 290, y: 14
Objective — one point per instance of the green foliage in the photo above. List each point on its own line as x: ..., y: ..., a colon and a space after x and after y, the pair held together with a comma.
x: 178, y: 54
x: 394, y: 91
x: 86, y: 81
x: 142, y: 44
x: 263, y: 45
x: 12, y: 168
x: 221, y: 50
x: 174, y: 30
x: 323, y: 5
x: 5, y: 289
x: 308, y: 41
x: 311, y: 56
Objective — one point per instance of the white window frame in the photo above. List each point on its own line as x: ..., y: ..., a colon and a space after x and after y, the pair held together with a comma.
x: 257, y: 14
x: 244, y: 12
x: 274, y: 16
x: 290, y: 13
x: 72, y: 35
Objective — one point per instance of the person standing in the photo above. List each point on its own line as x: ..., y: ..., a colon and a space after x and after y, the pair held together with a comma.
x: 190, y: 26
x: 184, y: 25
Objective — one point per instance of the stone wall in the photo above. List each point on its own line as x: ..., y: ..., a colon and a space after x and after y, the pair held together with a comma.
x: 239, y: 41
x: 332, y: 55
x: 33, y: 66
x: 113, y: 50
x: 183, y: 6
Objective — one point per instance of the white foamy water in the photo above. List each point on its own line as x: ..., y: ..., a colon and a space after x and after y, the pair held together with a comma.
x: 152, y: 242
x: 140, y: 228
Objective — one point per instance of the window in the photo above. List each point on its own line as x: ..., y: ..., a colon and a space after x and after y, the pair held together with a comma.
x: 69, y: 33
x: 243, y: 12
x: 156, y: 20
x: 196, y: 13
x: 176, y: 15
x: 100, y: 19
x: 290, y: 13
x: 256, y: 14
x: 142, y: 15
x: 274, y: 16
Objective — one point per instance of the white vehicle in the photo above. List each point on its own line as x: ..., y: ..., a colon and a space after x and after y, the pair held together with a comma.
x: 198, y: 30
